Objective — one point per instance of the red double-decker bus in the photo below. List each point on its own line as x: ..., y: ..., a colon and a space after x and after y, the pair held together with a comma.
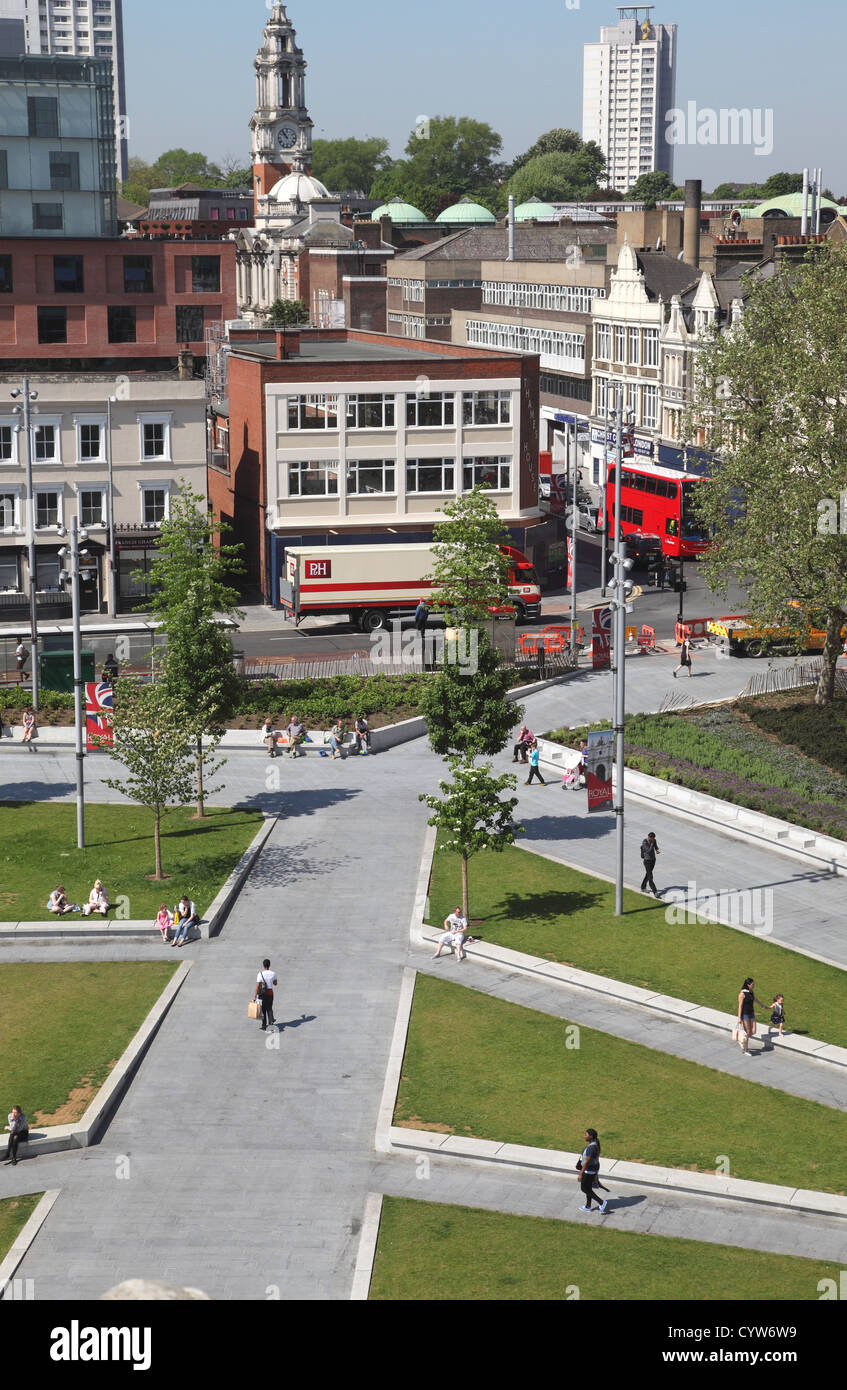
x: 658, y: 502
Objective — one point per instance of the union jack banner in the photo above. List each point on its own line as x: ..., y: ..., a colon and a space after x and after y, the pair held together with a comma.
x: 98, y: 716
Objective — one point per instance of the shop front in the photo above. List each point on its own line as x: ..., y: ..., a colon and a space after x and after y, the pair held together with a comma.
x: 135, y: 551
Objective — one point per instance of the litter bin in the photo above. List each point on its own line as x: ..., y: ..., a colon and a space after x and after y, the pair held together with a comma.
x: 56, y: 670
x: 238, y: 663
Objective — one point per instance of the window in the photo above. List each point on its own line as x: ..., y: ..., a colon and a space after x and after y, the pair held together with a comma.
x: 650, y: 347
x: 8, y: 515
x: 486, y: 407
x: 154, y: 439
x: 154, y: 505
x: 205, y: 274
x: 9, y: 577
x: 313, y: 412
x: 313, y: 478
x: 633, y: 347
x: 64, y: 170
x: 89, y: 442
x: 491, y: 472
x: 650, y: 407
x: 7, y: 444
x: 138, y: 274
x: 602, y: 395
x: 48, y: 573
x: 620, y: 343
x: 189, y: 324
x: 47, y: 217
x: 44, y: 441
x: 43, y: 115
x: 430, y: 475
x: 433, y: 411
x: 46, y: 514
x: 6, y: 279
x: 370, y: 412
x: 633, y: 516
x: 4, y: 169
x: 68, y: 276
x: 121, y: 319
x: 371, y: 475
x: 92, y: 507
x: 517, y: 338
x: 604, y: 341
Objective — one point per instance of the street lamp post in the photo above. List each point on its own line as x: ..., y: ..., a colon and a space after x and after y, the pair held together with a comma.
x: 113, y: 579
x: 622, y: 588
x: 24, y: 411
x: 79, y: 710
x: 573, y: 543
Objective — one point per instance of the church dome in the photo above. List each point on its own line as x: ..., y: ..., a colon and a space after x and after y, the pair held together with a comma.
x: 466, y: 210
x: 534, y: 208
x: 399, y: 212
x: 298, y: 188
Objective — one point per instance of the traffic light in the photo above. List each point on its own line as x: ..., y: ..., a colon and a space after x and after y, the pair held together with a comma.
x: 654, y: 569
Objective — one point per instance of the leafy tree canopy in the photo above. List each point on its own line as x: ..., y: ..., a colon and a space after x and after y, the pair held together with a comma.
x: 471, y: 814
x: 454, y: 154
x: 556, y: 177
x: 285, y: 312
x: 349, y: 164
x: 778, y: 185
x: 650, y: 188
x: 560, y: 142
x: 469, y: 569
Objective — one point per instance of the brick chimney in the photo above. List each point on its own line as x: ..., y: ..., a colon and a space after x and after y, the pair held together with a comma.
x: 287, y: 343
x: 185, y: 364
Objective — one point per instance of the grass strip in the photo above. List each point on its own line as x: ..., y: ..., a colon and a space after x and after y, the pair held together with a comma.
x: 480, y: 1066
x: 64, y: 1026
x: 531, y: 904
x: 14, y: 1214
x: 38, y: 851
x: 431, y: 1251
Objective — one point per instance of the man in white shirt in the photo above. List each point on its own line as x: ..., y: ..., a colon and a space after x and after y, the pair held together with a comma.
x: 455, y: 929
x: 266, y: 981
x: 186, y: 910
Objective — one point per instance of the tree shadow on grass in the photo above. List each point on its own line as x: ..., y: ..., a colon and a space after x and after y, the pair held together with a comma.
x: 520, y: 908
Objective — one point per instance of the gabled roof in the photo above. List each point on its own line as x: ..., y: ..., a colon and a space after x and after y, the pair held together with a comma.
x: 543, y: 243
x: 664, y: 276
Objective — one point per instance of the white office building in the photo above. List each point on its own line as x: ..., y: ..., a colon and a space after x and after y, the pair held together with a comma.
x: 81, y: 28
x: 628, y: 87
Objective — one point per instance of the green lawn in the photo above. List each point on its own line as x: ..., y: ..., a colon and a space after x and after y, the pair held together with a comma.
x: 14, y: 1214
x: 531, y: 904
x: 63, y: 1027
x: 429, y: 1251
x: 476, y: 1065
x: 38, y: 851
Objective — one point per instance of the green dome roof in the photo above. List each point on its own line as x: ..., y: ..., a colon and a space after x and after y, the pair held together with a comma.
x: 399, y: 212
x: 534, y: 208
x: 791, y: 204
x: 466, y: 210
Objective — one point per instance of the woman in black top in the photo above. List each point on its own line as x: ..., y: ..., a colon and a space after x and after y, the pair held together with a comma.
x: 684, y: 658
x: 746, y: 1014
x: 587, y: 1170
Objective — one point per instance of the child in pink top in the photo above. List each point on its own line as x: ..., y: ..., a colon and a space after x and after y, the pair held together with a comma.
x: 164, y: 921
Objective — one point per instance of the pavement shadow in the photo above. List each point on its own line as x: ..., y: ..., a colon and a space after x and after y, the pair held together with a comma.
x: 279, y: 865
x: 294, y: 802
x: 296, y: 1022
x: 618, y: 1203
x: 565, y: 827
x: 30, y: 793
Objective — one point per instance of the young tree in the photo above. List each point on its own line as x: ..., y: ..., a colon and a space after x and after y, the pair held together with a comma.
x: 472, y: 815
x: 469, y: 568
x: 284, y: 313
x: 771, y: 395
x: 190, y: 578
x: 466, y: 708
x: 150, y: 742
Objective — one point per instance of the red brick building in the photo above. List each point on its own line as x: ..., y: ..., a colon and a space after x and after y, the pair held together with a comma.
x: 101, y: 301
x: 337, y: 435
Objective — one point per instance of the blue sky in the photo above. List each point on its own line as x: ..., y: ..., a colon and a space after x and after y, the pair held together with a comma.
x: 374, y: 69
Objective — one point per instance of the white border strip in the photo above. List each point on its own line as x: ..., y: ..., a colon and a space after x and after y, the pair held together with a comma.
x: 382, y: 1139
x: 19, y: 1247
x: 366, y: 1253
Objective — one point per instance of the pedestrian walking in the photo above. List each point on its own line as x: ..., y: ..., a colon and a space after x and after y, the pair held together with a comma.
x: 266, y: 982
x: 109, y: 674
x: 684, y: 658
x: 534, y: 770
x: 777, y: 1019
x: 588, y: 1170
x: 745, y: 1028
x: 421, y: 616
x: 649, y: 850
x: 29, y: 730
x: 18, y: 1128
x: 21, y: 655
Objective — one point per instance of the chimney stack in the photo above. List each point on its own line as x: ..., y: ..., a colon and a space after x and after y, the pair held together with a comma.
x: 691, y: 222
x: 185, y: 364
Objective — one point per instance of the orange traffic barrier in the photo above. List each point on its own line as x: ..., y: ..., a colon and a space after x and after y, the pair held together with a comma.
x: 647, y: 638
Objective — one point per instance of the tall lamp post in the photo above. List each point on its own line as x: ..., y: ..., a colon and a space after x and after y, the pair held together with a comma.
x: 113, y: 578
x: 79, y: 713
x: 622, y: 589
x: 24, y: 411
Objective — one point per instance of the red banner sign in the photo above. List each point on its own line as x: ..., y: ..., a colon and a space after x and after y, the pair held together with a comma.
x: 601, y: 639
x: 98, y: 716
x: 599, y: 758
x: 570, y: 561
x: 318, y: 569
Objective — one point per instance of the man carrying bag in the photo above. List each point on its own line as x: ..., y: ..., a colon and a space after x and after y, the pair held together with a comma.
x: 264, y: 995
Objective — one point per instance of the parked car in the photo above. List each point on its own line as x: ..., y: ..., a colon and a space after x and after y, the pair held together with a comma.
x: 640, y: 547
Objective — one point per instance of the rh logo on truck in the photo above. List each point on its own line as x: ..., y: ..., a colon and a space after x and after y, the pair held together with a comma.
x: 318, y: 569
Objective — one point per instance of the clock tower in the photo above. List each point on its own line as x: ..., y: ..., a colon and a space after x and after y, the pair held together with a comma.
x: 281, y: 129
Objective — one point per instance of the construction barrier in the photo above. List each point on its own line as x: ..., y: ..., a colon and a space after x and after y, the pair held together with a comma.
x: 631, y: 634
x: 647, y: 638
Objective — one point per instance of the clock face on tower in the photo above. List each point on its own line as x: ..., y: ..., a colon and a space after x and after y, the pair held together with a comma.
x: 287, y: 137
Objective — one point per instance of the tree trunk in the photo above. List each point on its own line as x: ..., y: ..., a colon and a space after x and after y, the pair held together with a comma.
x: 465, y: 907
x: 157, y: 842
x: 200, y: 808
x: 831, y: 653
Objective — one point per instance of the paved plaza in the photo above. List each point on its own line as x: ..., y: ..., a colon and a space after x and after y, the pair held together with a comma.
x: 250, y: 1157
